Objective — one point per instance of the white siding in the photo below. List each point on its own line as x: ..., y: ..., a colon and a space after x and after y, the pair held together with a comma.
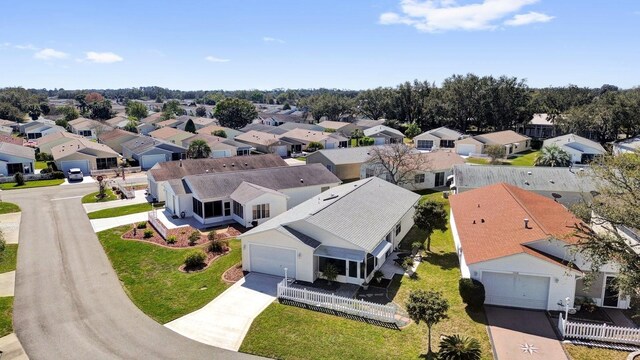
x: 301, y: 194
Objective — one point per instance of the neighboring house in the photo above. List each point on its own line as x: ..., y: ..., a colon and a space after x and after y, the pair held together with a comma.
x: 118, y: 122
x: 45, y: 143
x: 84, y: 154
x: 354, y: 227
x: 153, y: 118
x: 171, y: 135
x: 279, y: 119
x: 327, y: 140
x: 581, y: 150
x: 438, y: 168
x: 172, y: 170
x: 5, y: 130
x: 441, y: 137
x: 519, y: 245
x: 199, y: 122
x: 345, y: 163
x: 344, y: 128
x: 270, y: 143
x: 220, y: 147
x: 11, y: 139
x: 564, y: 185
x: 364, y: 124
x: 145, y: 128
x: 88, y: 128
x: 168, y: 123
x: 247, y: 197
x: 16, y: 159
x: 278, y: 130
x: 304, y: 126
x: 115, y: 138
x: 149, y: 151
x: 11, y: 124
x: 540, y: 127
x: 626, y: 146
x: 512, y: 141
x: 39, y: 128
x: 209, y: 130
x: 384, y: 135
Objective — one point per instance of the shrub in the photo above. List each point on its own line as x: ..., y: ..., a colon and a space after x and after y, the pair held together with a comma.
x: 472, y: 292
x: 148, y: 234
x: 378, y: 275
x: 194, y: 237
x: 330, y: 272
x: 456, y: 347
x: 141, y: 225
x: 194, y: 259
x: 417, y: 245
x: 3, y: 242
x: 44, y: 157
x: 19, y: 178
x: 171, y: 239
x: 218, y: 246
x: 212, y: 235
x: 46, y: 170
x: 407, y: 263
x: 57, y: 175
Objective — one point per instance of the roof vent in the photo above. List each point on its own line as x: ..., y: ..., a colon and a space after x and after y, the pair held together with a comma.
x: 478, y: 205
x: 233, y: 164
x: 551, y: 181
x: 526, y: 224
x: 224, y: 165
x: 302, y: 180
x: 245, y: 164
x: 482, y: 221
x: 474, y: 222
x: 529, y: 172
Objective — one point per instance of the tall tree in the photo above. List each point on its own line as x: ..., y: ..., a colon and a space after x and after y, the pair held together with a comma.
x: 375, y: 103
x: 461, y: 95
x: 331, y: 106
x: 101, y: 110
x: 397, y: 163
x: 172, y: 109
x: 189, y: 126
x: 235, y: 113
x: 201, y: 111
x: 136, y: 109
x: 429, y: 307
x: 430, y: 216
x: 199, y: 149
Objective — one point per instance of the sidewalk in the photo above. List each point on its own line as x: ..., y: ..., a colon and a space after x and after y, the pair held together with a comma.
x: 10, y: 226
x: 108, y: 223
x: 7, y: 283
x: 11, y: 348
x: 139, y: 199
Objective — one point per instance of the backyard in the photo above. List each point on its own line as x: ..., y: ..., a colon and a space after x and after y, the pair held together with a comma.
x: 526, y: 158
x: 289, y: 332
x: 31, y: 184
x: 150, y: 276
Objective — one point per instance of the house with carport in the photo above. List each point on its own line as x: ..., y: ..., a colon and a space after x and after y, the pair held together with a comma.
x: 270, y: 143
x: 581, y: 150
x: 170, y: 135
x: 327, y: 140
x: 85, y: 155
x: 16, y: 159
x: 327, y: 230
x: 441, y: 137
x: 520, y: 246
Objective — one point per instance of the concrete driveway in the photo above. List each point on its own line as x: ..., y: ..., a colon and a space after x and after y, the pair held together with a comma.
x: 522, y: 334
x: 10, y: 226
x: 225, y: 321
x: 112, y: 222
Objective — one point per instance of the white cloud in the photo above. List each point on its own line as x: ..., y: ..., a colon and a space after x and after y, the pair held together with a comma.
x: 271, y: 39
x: 528, y: 18
x: 103, y: 57
x: 446, y: 15
x: 216, y: 59
x: 26, y: 47
x: 47, y: 54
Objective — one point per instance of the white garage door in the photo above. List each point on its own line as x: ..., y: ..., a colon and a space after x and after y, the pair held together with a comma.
x: 147, y: 161
x: 273, y: 260
x: 523, y: 291
x: 80, y: 164
x: 466, y: 149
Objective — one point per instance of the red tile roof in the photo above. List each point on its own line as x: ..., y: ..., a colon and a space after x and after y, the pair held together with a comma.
x: 498, y: 212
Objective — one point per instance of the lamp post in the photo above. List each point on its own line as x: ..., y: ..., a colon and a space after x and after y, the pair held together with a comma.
x: 566, y: 308
x: 285, y: 275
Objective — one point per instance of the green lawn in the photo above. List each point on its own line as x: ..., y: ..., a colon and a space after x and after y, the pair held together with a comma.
x: 479, y: 161
x: 150, y: 276
x: 6, y: 310
x: 588, y: 353
x: 8, y: 258
x: 7, y: 207
x: 301, y: 158
x: 527, y: 159
x: 31, y: 184
x: 41, y: 165
x: 120, y: 211
x: 91, y: 198
x: 288, y: 332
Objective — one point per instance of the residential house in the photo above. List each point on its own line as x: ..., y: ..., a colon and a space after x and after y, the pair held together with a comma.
x: 145, y: 128
x: 327, y: 140
x: 345, y: 163
x: 198, y: 122
x: 148, y: 151
x: 84, y: 154
x: 279, y: 119
x: 541, y: 126
x: 292, y: 126
x: 626, y: 146
x: 173, y: 123
x: 435, y: 170
x: 220, y: 147
x: 209, y: 130
x: 344, y: 128
x: 441, y: 137
x: 364, y: 124
x: 248, y: 197
x: 326, y: 230
x: 45, y: 143
x: 278, y: 130
x: 170, y: 134
x: 118, y: 121
x: 11, y: 139
x: 38, y: 128
x: 567, y: 186
x: 115, y: 138
x: 152, y: 118
x: 581, y: 150
x: 16, y: 159
x: 512, y: 142
x: 88, y: 128
x: 382, y: 134
x: 172, y: 170
x: 10, y: 124
x: 6, y: 130
x: 270, y: 143
x: 519, y: 245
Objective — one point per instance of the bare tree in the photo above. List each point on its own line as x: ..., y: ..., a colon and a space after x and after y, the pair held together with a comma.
x: 397, y: 163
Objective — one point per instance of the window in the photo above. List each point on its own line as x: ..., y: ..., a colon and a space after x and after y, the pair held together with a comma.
x: 368, y: 173
x: 324, y: 188
x: 12, y: 169
x: 439, y: 179
x: 343, y: 144
x: 425, y: 144
x: 213, y: 209
x: 227, y: 209
x: 371, y: 263
x: 340, y: 264
x: 106, y: 163
x: 398, y: 228
x: 33, y: 136
x: 447, y: 144
x: 419, y: 179
x: 353, y: 269
x: 388, y: 237
x: 330, y: 167
x: 261, y: 211
x: 178, y: 156
x: 238, y: 210
x: 197, y: 207
x: 84, y: 132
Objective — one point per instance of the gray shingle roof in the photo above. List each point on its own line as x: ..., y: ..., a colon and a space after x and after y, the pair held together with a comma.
x: 382, y: 129
x: 569, y: 139
x: 217, y: 185
x: 443, y: 133
x: 354, y: 155
x: 248, y: 191
x: 17, y: 150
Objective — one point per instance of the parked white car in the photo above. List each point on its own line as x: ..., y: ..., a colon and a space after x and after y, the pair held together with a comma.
x: 75, y: 174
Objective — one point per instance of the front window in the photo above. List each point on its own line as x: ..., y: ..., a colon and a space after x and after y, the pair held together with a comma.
x: 419, y: 178
x: 106, y: 163
x: 343, y: 144
x: 425, y: 144
x: 398, y: 228
x: 14, y: 168
x: 368, y: 173
x: 85, y: 132
x: 238, y: 210
x: 449, y: 144
x: 213, y: 209
x: 227, y: 209
x: 261, y: 211
x: 439, y: 179
x: 340, y: 264
x: 197, y: 207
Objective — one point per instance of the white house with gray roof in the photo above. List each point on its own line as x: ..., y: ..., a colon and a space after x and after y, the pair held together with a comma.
x: 441, y: 137
x: 16, y: 159
x: 326, y: 230
x: 627, y: 146
x: 345, y: 163
x: 248, y: 197
x: 382, y: 134
x: 581, y: 150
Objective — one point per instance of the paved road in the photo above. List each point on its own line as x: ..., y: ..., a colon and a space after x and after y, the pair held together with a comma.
x: 69, y: 304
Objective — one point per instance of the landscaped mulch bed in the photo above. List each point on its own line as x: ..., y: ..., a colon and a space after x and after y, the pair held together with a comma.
x: 228, y: 233
x: 211, y: 257
x: 233, y: 274
x: 181, y: 234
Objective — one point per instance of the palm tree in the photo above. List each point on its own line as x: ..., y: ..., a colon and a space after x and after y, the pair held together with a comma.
x: 553, y: 155
x: 456, y: 347
x: 198, y: 149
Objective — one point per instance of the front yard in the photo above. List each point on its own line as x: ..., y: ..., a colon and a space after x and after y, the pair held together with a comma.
x: 93, y: 197
x: 289, y: 332
x: 8, y: 258
x: 587, y: 353
x: 120, y: 211
x: 6, y: 309
x: 7, y: 208
x: 31, y: 184
x: 150, y: 276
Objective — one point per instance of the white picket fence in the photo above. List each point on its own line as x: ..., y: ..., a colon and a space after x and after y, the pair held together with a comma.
x: 365, y: 309
x: 157, y: 224
x: 598, y: 332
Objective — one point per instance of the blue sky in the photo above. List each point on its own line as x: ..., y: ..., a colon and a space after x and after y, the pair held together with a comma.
x: 348, y: 44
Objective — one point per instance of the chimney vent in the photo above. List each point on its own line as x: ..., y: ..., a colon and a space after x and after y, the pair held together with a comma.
x: 528, y: 172
x: 302, y: 180
x: 526, y: 223
x: 474, y: 221
x: 482, y: 221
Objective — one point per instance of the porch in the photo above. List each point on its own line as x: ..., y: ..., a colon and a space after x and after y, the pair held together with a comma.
x: 353, y: 266
x: 171, y: 221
